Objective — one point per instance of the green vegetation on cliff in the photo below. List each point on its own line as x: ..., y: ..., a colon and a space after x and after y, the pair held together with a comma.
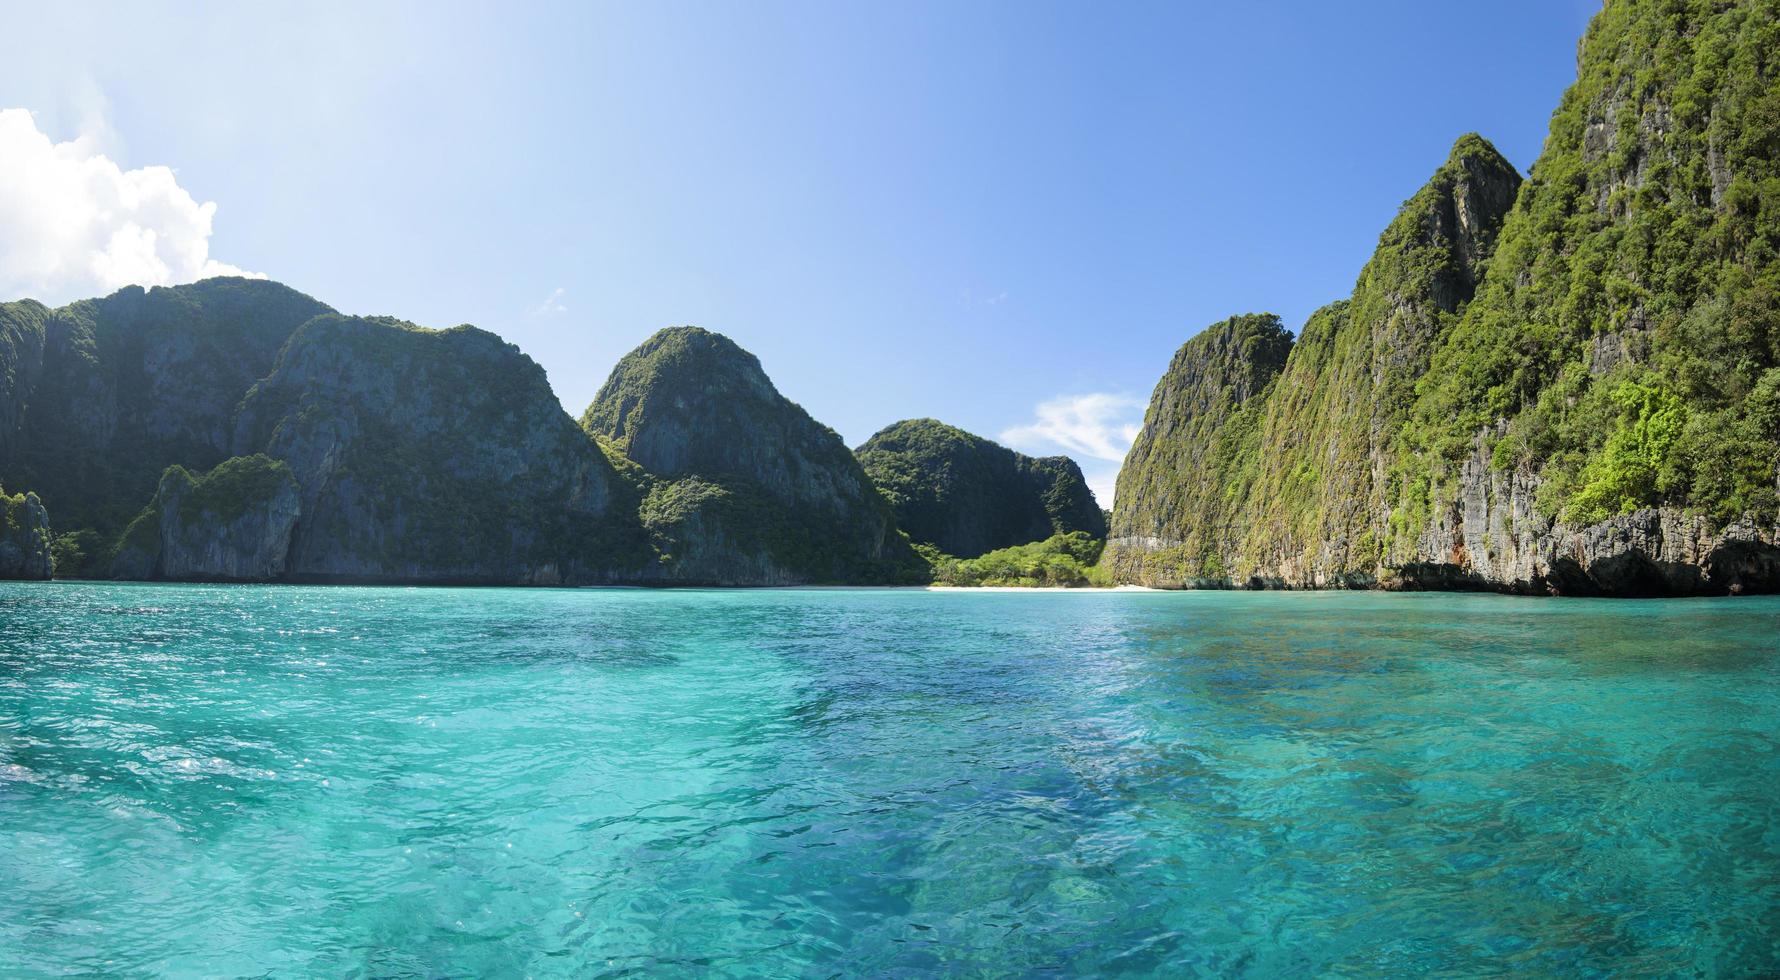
x: 100, y: 396
x: 738, y: 482
x: 434, y: 455
x: 1183, y: 489
x: 1518, y: 361
x: 231, y: 523
x: 1629, y: 328
x: 966, y: 495
x: 234, y: 485
x: 25, y: 544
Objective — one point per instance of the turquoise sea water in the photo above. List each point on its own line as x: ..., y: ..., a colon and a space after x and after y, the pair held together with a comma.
x: 424, y: 782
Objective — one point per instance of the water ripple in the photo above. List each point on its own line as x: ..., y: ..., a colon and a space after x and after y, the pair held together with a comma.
x: 371, y: 782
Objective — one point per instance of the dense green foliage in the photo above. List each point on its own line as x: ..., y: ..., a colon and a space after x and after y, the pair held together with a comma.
x: 228, y: 490
x: 434, y: 454
x: 1182, y: 488
x: 735, y: 477
x: 25, y: 544
x: 100, y: 396
x: 1067, y: 560
x: 1630, y: 323
x: 966, y: 495
x: 1603, y: 333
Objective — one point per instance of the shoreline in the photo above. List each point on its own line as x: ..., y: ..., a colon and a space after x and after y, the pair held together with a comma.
x: 655, y: 587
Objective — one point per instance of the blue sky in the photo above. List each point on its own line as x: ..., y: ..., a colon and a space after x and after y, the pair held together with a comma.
x: 1003, y: 215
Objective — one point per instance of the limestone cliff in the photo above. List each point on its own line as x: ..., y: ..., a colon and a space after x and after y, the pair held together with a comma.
x: 1294, y: 492
x: 742, y: 486
x: 1570, y: 388
x: 967, y: 495
x: 97, y: 398
x: 24, y: 537
x: 232, y: 524
x: 1180, y: 510
x: 433, y: 456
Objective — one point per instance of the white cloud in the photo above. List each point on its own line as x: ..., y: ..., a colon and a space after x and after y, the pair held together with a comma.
x: 552, y: 305
x: 1094, y: 428
x: 75, y: 224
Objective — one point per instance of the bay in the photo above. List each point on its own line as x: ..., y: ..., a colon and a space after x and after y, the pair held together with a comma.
x: 213, y: 780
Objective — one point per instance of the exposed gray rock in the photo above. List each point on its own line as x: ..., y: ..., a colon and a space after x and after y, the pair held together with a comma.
x: 232, y: 524
x: 1493, y: 538
x: 24, y: 538
x: 434, y: 456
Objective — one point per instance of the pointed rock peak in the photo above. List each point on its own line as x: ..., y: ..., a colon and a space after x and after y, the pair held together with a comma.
x: 679, y: 372
x: 1472, y: 150
x: 1435, y: 249
x: 690, y: 402
x: 1483, y: 185
x: 690, y: 347
x: 1239, y: 355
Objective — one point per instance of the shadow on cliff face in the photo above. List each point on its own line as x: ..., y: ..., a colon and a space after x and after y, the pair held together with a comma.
x: 1633, y: 575
x: 1739, y: 567
x: 1733, y: 568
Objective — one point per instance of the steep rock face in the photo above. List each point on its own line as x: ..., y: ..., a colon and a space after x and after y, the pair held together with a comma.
x: 98, y: 397
x: 1318, y: 512
x: 22, y: 331
x: 232, y: 524
x: 1495, y: 537
x: 24, y: 537
x: 1174, y: 515
x: 1619, y: 364
x: 966, y: 495
x: 433, y: 456
x: 776, y: 496
x: 1588, y: 405
x: 1291, y: 489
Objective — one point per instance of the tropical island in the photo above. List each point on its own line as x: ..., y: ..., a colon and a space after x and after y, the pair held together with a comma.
x: 1567, y: 383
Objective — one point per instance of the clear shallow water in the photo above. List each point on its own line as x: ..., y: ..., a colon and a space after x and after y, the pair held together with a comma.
x: 235, y: 780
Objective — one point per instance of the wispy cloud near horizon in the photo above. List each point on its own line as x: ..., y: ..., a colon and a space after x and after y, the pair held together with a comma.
x: 552, y: 305
x: 1095, y: 428
x: 73, y: 223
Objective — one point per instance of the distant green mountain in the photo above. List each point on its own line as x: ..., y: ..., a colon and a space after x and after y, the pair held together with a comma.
x: 234, y: 430
x: 738, y: 482
x: 97, y: 398
x: 967, y: 495
x: 1568, y: 383
x: 1566, y: 387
